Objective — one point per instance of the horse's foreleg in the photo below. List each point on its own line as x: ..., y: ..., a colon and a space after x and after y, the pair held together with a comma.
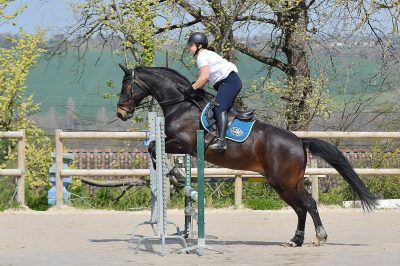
x: 174, y: 146
x: 171, y: 146
x: 152, y: 151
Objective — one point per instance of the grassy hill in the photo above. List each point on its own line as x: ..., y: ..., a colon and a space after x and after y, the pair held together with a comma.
x: 53, y: 82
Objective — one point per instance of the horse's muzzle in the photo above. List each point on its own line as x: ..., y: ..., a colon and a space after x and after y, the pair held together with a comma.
x: 123, y: 114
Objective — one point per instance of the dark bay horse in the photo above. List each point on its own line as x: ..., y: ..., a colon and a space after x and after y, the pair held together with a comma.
x: 278, y: 155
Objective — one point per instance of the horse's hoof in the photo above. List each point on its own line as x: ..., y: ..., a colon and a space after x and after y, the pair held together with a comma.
x: 290, y: 244
x: 321, y: 236
x: 318, y: 242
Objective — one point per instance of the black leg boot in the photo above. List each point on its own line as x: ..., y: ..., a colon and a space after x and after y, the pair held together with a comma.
x: 222, y: 123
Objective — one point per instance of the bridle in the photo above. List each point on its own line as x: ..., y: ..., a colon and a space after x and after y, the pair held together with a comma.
x: 141, y: 85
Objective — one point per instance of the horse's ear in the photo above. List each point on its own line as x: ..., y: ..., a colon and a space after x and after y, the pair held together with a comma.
x: 125, y: 69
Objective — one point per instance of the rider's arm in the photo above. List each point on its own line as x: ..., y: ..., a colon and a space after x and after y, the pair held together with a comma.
x: 202, y: 79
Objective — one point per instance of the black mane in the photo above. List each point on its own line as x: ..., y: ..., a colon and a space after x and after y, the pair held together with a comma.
x: 165, y: 70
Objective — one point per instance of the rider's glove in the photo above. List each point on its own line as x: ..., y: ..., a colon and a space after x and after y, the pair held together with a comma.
x: 189, y: 91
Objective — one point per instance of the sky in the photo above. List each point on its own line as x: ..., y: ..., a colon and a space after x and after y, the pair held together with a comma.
x: 51, y: 15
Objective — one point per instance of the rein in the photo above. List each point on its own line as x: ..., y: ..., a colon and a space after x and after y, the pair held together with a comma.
x: 147, y: 90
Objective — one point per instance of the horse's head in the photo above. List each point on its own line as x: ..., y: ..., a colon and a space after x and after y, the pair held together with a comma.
x: 132, y: 93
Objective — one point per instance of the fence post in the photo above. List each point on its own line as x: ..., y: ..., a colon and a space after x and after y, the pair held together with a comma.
x: 238, y: 191
x: 21, y: 165
x: 59, y: 166
x: 314, y: 181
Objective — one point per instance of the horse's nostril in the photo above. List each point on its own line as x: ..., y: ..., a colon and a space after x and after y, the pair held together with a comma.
x: 120, y: 116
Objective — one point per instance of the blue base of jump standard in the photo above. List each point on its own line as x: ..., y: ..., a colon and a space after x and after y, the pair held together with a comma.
x: 158, y: 190
x: 190, y: 195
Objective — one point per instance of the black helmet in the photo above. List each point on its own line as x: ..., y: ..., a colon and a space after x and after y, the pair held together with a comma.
x: 198, y: 38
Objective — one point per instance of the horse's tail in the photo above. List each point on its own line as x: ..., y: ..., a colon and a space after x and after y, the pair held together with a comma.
x: 337, y: 160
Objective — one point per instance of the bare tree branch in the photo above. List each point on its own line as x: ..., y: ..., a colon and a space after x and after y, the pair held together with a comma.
x: 261, y: 58
x: 177, y: 26
x: 114, y: 183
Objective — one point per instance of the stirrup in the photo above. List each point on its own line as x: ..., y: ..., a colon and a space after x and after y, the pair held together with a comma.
x: 219, y: 145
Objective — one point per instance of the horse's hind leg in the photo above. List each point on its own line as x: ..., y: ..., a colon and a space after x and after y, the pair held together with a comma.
x: 311, y: 205
x: 291, y: 197
x: 302, y: 202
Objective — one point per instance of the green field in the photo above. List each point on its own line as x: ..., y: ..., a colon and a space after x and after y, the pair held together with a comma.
x: 53, y: 82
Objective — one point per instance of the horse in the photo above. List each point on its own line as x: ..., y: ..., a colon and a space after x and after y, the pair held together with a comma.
x: 275, y: 153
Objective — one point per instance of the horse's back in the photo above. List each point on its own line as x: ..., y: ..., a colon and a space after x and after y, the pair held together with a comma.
x: 278, y: 148
x: 276, y: 135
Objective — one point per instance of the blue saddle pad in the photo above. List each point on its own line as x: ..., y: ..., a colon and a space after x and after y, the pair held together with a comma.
x: 237, y: 131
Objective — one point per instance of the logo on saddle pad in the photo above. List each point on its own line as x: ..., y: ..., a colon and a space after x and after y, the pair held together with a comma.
x: 237, y: 131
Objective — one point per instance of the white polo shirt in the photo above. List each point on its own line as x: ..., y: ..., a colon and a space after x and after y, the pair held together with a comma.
x: 219, y: 67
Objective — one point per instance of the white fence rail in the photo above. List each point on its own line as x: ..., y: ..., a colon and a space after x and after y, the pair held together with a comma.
x: 20, y: 171
x: 313, y: 172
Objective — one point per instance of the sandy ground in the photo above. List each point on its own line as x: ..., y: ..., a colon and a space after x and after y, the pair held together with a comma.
x: 88, y: 237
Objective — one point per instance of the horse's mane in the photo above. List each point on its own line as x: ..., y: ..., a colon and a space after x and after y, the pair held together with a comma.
x: 164, y: 70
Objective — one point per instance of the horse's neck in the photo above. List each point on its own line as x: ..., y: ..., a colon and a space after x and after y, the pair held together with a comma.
x: 171, y: 111
x: 164, y: 94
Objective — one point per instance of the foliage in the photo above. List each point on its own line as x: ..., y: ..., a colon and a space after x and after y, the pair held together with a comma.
x: 134, y: 20
x: 258, y: 196
x: 382, y: 155
x: 337, y: 195
x: 385, y: 155
x: 105, y: 198
x: 8, y: 188
x: 217, y: 195
x: 4, y: 17
x: 37, y: 199
x: 16, y: 106
x: 317, y: 104
x: 386, y: 186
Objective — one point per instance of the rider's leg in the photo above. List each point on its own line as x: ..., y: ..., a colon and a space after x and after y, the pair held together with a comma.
x: 222, y: 124
x: 227, y: 90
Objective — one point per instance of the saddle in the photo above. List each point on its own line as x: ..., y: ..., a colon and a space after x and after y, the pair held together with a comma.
x: 233, y: 113
x: 244, y: 115
x: 240, y: 123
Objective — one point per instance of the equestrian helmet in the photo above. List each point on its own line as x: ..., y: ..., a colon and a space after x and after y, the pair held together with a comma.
x: 198, y: 38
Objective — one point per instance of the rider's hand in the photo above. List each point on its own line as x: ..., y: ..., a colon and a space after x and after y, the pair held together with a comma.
x: 201, y: 88
x: 189, y: 91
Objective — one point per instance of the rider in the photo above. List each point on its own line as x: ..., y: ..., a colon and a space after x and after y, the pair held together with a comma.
x: 223, y: 75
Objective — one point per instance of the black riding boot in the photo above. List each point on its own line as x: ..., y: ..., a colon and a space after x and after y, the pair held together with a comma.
x: 222, y: 123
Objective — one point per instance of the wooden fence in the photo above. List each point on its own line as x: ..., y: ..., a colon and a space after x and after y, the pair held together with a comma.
x: 313, y: 171
x: 20, y: 171
x: 60, y: 172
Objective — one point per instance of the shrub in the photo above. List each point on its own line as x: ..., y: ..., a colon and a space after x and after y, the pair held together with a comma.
x: 258, y: 196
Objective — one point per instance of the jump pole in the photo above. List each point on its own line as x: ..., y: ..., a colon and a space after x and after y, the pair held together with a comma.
x: 201, y: 241
x: 199, y: 195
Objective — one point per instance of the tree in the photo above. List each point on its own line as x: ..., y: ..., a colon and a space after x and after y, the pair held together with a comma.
x: 16, y: 106
x: 287, y: 33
